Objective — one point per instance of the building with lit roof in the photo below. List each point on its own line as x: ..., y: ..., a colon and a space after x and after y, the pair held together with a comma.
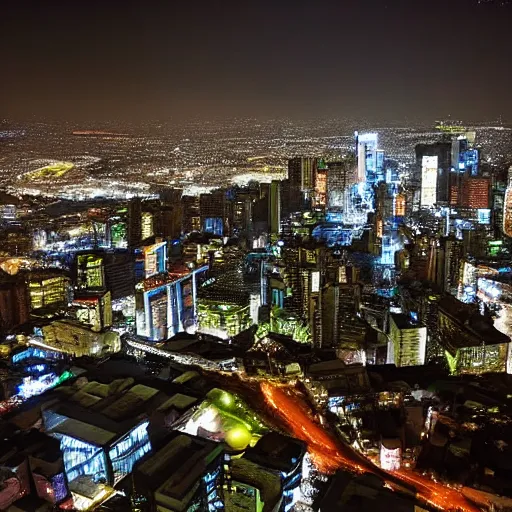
x: 472, y: 344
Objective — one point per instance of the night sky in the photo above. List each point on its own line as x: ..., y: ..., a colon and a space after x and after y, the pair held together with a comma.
x: 375, y: 60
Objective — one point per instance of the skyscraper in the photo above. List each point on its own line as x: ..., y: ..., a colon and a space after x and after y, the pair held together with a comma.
x: 507, y: 207
x: 475, y: 193
x: 299, y: 188
x: 274, y: 208
x: 433, y: 162
x: 370, y: 160
x: 340, y: 176
x: 408, y: 341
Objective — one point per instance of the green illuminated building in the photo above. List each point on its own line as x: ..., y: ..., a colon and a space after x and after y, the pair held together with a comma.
x: 90, y: 272
x: 223, y: 319
x: 48, y: 291
x: 119, y: 235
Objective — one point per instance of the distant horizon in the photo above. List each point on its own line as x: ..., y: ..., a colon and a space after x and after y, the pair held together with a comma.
x: 96, y: 125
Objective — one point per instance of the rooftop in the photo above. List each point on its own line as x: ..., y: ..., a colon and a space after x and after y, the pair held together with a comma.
x: 173, y: 470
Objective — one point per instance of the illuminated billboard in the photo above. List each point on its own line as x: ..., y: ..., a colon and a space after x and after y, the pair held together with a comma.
x: 390, y: 458
x: 429, y: 166
x: 146, y: 225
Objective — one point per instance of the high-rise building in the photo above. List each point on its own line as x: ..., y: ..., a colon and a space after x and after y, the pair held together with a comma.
x: 507, y: 207
x: 274, y: 208
x: 340, y: 176
x: 89, y: 271
x: 341, y: 327
x: 298, y: 190
x: 134, y: 222
x: 215, y: 213
x: 146, y: 226
x: 464, y: 157
x: 433, y: 162
x: 370, y: 160
x: 150, y: 260
x: 475, y: 193
x: 169, y: 217
x: 408, y: 340
x: 191, y: 214
x: 320, y: 198
x: 119, y: 273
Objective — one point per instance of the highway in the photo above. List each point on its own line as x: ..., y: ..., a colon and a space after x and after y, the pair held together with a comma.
x: 330, y: 454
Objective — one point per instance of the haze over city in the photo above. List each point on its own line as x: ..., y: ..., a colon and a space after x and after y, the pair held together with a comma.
x: 378, y: 61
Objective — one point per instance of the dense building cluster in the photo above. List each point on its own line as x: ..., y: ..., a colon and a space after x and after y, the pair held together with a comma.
x: 334, y: 334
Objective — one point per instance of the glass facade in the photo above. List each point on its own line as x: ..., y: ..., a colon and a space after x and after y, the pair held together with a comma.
x: 83, y: 459
x: 126, y: 452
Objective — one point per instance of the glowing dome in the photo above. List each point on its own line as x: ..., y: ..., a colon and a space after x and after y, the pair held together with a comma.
x: 238, y: 438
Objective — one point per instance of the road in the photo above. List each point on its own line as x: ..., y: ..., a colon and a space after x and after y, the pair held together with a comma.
x: 330, y: 454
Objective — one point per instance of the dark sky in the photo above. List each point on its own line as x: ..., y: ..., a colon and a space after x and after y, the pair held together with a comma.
x: 379, y: 60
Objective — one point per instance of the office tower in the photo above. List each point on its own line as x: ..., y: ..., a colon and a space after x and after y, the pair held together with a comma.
x: 299, y: 189
x: 134, y: 222
x: 150, y: 260
x: 191, y: 215
x: 215, y: 213
x: 507, y: 207
x: 302, y: 172
x: 464, y: 157
x: 167, y: 221
x: 429, y: 316
x: 475, y: 193
x: 341, y: 327
x: 146, y: 226
x: 14, y: 304
x: 118, y: 233
x: 119, y: 274
x: 433, y: 162
x: 89, y: 272
x: 370, y: 159
x: 499, y: 187
x: 169, y: 214
x: 408, y: 339
x: 340, y: 176
x: 274, y: 208
x: 320, y: 198
x: 399, y: 206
